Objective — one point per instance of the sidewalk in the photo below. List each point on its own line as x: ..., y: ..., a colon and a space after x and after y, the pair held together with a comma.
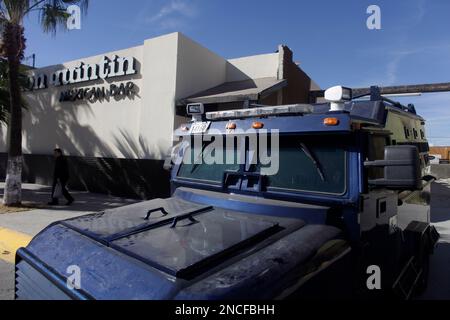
x: 18, y: 228
x: 31, y: 222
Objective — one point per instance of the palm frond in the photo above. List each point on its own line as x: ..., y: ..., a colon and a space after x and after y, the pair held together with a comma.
x: 53, y: 13
x: 83, y: 4
x: 15, y: 10
x: 3, y: 12
x: 52, y: 17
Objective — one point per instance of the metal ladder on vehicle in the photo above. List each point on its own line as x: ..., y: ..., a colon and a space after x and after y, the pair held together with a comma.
x: 406, y: 282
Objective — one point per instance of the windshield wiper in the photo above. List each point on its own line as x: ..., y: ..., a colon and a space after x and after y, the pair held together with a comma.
x: 200, y: 156
x: 313, y: 160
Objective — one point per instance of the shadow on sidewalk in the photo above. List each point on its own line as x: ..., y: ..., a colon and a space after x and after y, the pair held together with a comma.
x: 84, y: 201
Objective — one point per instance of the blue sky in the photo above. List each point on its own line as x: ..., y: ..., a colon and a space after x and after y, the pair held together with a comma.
x: 330, y: 39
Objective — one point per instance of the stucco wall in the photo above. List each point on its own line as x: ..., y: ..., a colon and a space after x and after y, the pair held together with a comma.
x: 135, y: 128
x: 169, y: 68
x: 102, y: 128
x: 118, y: 145
x: 156, y: 114
x: 253, y: 67
x: 197, y: 68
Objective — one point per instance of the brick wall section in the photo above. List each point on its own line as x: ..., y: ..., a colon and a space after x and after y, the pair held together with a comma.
x: 299, y: 83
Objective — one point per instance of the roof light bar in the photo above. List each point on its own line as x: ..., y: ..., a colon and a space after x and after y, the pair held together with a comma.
x: 260, y: 112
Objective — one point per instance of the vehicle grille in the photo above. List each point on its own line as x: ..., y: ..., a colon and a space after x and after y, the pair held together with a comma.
x: 32, y: 285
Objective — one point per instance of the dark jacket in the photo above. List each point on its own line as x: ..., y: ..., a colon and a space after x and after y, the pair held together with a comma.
x: 61, y: 169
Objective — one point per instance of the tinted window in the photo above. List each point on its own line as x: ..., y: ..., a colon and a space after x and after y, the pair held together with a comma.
x: 297, y: 170
x: 311, y: 164
x: 197, y: 164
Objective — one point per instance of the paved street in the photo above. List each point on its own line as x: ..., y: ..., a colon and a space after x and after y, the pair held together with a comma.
x: 439, y: 281
x: 18, y: 228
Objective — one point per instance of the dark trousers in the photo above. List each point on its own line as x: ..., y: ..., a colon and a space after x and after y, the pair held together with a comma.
x: 64, y: 190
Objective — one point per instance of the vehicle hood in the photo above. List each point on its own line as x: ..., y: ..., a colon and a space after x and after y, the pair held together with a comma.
x: 174, y: 248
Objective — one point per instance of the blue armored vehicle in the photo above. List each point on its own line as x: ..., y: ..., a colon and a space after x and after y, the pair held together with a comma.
x: 268, y: 202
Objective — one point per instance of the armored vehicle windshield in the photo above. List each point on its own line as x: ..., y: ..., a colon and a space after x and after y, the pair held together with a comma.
x: 298, y: 163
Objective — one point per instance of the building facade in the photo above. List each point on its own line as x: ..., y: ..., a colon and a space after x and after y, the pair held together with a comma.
x: 114, y: 114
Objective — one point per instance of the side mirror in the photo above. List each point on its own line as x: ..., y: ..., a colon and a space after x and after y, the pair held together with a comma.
x: 401, y: 168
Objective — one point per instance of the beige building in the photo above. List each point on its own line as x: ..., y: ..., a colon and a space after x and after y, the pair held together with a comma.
x: 114, y: 114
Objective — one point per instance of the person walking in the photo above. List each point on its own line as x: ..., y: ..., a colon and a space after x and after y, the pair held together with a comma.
x: 60, y: 179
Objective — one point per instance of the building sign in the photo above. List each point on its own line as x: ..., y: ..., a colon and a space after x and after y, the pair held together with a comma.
x: 82, y: 72
x: 94, y: 94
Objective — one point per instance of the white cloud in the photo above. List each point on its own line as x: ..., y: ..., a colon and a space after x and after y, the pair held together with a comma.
x: 387, y: 74
x: 391, y: 60
x: 174, y: 14
x: 421, y: 10
x: 392, y: 69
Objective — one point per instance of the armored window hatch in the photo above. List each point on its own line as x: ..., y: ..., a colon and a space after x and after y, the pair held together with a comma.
x: 179, y: 237
x: 192, y: 243
x: 116, y: 223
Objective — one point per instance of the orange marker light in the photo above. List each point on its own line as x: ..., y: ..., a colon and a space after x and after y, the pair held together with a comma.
x: 231, y: 126
x: 257, y: 125
x: 331, y: 121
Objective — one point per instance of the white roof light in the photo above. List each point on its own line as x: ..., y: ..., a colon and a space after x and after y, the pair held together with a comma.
x: 337, y: 96
x: 195, y: 108
x: 260, y: 112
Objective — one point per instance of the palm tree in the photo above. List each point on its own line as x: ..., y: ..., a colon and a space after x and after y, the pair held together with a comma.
x: 4, y: 92
x: 52, y: 14
x: 4, y: 89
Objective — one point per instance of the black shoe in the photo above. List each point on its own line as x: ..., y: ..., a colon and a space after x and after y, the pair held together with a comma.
x: 68, y: 203
x: 53, y: 203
